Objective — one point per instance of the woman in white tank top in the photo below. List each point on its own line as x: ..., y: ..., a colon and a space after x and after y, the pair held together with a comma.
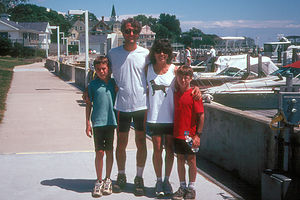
x: 160, y: 115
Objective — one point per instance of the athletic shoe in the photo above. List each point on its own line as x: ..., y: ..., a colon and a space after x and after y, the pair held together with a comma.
x: 190, y: 194
x: 139, y: 186
x: 159, y: 189
x: 97, y: 191
x: 168, y: 188
x: 107, y: 187
x: 120, y: 183
x: 179, y: 194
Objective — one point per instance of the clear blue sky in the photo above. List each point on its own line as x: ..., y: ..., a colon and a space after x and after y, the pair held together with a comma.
x: 261, y: 20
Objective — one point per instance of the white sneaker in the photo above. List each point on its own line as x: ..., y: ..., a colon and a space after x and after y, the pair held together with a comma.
x: 97, y: 191
x: 107, y: 186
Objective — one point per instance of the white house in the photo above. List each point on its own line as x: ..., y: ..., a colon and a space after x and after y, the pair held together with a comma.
x: 31, y: 34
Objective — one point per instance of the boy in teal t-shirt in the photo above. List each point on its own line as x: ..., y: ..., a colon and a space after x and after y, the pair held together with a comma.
x: 101, y: 92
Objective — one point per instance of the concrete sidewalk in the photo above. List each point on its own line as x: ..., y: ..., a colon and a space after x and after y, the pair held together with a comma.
x: 45, y: 154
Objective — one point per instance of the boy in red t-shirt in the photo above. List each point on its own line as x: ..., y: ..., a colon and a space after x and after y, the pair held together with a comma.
x: 188, y: 122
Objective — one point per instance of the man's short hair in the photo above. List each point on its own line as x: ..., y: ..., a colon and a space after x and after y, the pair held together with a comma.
x: 134, y: 23
x: 185, y: 70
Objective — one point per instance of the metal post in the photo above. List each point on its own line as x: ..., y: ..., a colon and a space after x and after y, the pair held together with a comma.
x: 47, y: 50
x: 284, y: 59
x: 67, y: 46
x: 58, y: 44
x: 63, y: 37
x: 294, y: 56
x: 260, y: 73
x: 289, y: 82
x: 86, y: 47
x: 248, y: 63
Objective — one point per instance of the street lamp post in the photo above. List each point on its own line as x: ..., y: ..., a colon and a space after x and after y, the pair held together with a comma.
x: 78, y: 42
x: 58, y: 41
x: 67, y: 47
x: 63, y: 37
x: 80, y: 12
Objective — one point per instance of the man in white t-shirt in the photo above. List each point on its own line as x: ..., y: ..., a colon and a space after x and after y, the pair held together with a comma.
x: 128, y: 67
x: 212, y: 58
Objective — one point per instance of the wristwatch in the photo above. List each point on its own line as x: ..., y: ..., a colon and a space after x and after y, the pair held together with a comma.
x: 198, y: 133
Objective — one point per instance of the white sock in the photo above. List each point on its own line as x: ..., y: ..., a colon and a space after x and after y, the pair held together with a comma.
x: 183, y: 184
x: 159, y: 179
x: 139, y: 171
x: 121, y: 171
x: 192, y: 185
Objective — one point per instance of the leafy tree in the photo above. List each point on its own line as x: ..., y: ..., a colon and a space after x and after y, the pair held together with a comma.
x: 6, y: 4
x: 150, y: 21
x: 161, y: 31
x: 171, y: 24
x: 72, y: 18
x: 34, y: 13
x: 2, y: 8
x: 142, y: 19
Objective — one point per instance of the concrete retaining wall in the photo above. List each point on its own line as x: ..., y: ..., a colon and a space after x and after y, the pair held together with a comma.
x: 238, y: 141
x: 50, y: 64
x: 67, y: 72
x: 242, y: 142
x: 79, y: 77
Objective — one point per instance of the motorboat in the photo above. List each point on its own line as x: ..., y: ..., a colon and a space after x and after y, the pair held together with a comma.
x: 260, y: 93
x: 233, y: 68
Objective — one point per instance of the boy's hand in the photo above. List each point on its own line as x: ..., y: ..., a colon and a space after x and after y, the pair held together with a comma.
x: 196, y: 93
x: 196, y: 141
x: 88, y: 130
x: 85, y: 97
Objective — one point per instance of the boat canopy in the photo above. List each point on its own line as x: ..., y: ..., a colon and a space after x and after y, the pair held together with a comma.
x: 240, y: 62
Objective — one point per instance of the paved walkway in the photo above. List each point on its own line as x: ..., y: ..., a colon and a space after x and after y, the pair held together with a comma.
x: 45, y: 154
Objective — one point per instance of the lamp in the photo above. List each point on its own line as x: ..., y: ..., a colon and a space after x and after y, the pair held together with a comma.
x: 80, y: 12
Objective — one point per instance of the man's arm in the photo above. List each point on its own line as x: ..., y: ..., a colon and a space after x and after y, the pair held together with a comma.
x: 196, y: 93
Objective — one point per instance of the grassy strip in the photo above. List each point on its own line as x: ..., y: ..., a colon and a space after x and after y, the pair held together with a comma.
x: 6, y: 73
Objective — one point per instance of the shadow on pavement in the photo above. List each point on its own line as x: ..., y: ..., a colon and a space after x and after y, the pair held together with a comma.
x: 76, y: 185
x: 85, y: 185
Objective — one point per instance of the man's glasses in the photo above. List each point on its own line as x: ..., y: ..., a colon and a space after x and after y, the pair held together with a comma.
x: 134, y: 31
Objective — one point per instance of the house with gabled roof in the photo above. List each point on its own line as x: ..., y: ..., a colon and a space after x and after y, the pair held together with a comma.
x: 147, y: 37
x: 30, y: 34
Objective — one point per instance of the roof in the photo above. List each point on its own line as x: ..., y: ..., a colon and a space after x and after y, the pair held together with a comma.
x: 146, y: 30
x: 38, y: 26
x: 12, y: 24
x: 21, y: 26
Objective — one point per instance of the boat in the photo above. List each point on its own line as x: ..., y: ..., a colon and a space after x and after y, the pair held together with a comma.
x: 260, y: 93
x: 233, y: 68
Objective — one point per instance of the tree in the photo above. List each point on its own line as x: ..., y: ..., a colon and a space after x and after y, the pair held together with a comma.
x: 171, y: 24
x: 7, y: 4
x: 5, y: 46
x: 34, y: 13
x: 144, y: 20
x: 72, y: 18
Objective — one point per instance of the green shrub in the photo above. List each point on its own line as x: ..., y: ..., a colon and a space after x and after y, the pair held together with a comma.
x: 5, y: 46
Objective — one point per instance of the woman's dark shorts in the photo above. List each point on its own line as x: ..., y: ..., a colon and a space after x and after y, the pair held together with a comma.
x: 181, y: 147
x: 125, y: 118
x: 159, y: 129
x: 103, y: 137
